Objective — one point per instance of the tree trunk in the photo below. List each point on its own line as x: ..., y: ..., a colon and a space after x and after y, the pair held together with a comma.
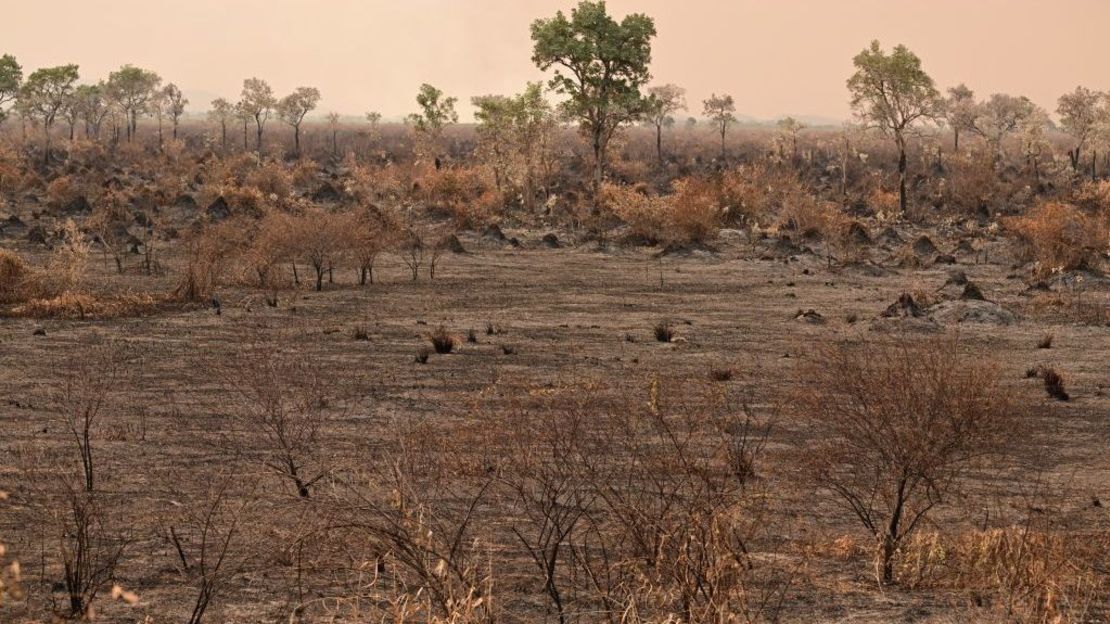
x: 659, y: 143
x: 297, y: 139
x: 258, y: 139
x: 598, y: 169
x: 223, y: 135
x: 955, y: 141
x: 46, y: 152
x: 902, y: 175
x: 724, y: 128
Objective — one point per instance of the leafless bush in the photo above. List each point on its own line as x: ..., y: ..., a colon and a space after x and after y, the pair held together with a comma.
x: 283, y: 404
x: 896, y: 428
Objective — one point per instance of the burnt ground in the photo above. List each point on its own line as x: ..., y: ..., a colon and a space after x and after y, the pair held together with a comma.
x: 568, y: 315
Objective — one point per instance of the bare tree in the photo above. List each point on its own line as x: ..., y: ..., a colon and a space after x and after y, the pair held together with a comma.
x: 896, y: 427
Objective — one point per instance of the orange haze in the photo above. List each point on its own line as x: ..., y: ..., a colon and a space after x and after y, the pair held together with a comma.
x: 776, y: 57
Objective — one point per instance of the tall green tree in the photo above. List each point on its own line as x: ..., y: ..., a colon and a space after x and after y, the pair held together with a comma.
x: 292, y: 110
x: 891, y: 92
x: 132, y: 89
x: 601, y: 64
x: 45, y: 94
x: 11, y: 78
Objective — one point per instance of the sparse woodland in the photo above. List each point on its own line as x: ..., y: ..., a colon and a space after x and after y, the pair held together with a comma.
x: 577, y: 360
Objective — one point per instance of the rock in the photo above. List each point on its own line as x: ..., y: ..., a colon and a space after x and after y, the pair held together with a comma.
x: 185, y: 200
x: 965, y: 247
x: 327, y: 194
x: 957, y: 277
x: 944, y: 259
x: 493, y: 232
x: 77, y: 205
x: 786, y: 247
x: 39, y: 331
x: 218, y: 210
x: 858, y: 234
x: 452, y: 244
x: 924, y: 246
x: 810, y: 316
x: 972, y: 293
x: 971, y: 311
x: 550, y: 241
x: 890, y: 236
x: 686, y: 249
x: 905, y: 307
x: 37, y: 234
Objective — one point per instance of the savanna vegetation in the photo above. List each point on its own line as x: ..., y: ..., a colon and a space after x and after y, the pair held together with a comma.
x: 575, y: 360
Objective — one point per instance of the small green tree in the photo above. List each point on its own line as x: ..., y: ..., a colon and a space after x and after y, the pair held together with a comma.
x: 1081, y: 114
x: 293, y: 108
x: 959, y: 112
x: 92, y: 106
x: 437, y: 111
x: 46, y: 93
x: 719, y: 110
x: 11, y: 78
x: 892, y: 93
x: 258, y: 103
x: 222, y: 112
x: 601, y: 65
x: 790, y: 128
x: 175, y: 103
x: 662, y: 103
x: 132, y: 88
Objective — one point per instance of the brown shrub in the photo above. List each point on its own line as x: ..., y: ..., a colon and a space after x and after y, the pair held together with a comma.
x: 694, y: 213
x: 1028, y: 573
x: 62, y: 190
x: 895, y: 427
x: 1059, y: 236
x: 16, y: 280
x: 270, y: 179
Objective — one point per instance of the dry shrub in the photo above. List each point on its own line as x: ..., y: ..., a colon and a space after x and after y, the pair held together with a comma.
x: 972, y: 185
x: 63, y: 190
x: 271, y: 179
x: 1059, y: 237
x: 896, y: 427
x: 68, y: 262
x: 84, y: 306
x: 645, y: 216
x: 884, y: 202
x: 754, y: 194
x: 464, y: 193
x: 16, y: 278
x: 207, y: 255
x: 1094, y: 196
x: 232, y: 169
x: 273, y: 242
x: 369, y: 184
x: 694, y: 213
x: 243, y: 200
x: 304, y: 172
x: 442, y: 341
x: 1029, y: 574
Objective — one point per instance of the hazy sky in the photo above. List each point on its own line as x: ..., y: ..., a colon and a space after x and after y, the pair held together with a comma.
x: 775, y: 57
